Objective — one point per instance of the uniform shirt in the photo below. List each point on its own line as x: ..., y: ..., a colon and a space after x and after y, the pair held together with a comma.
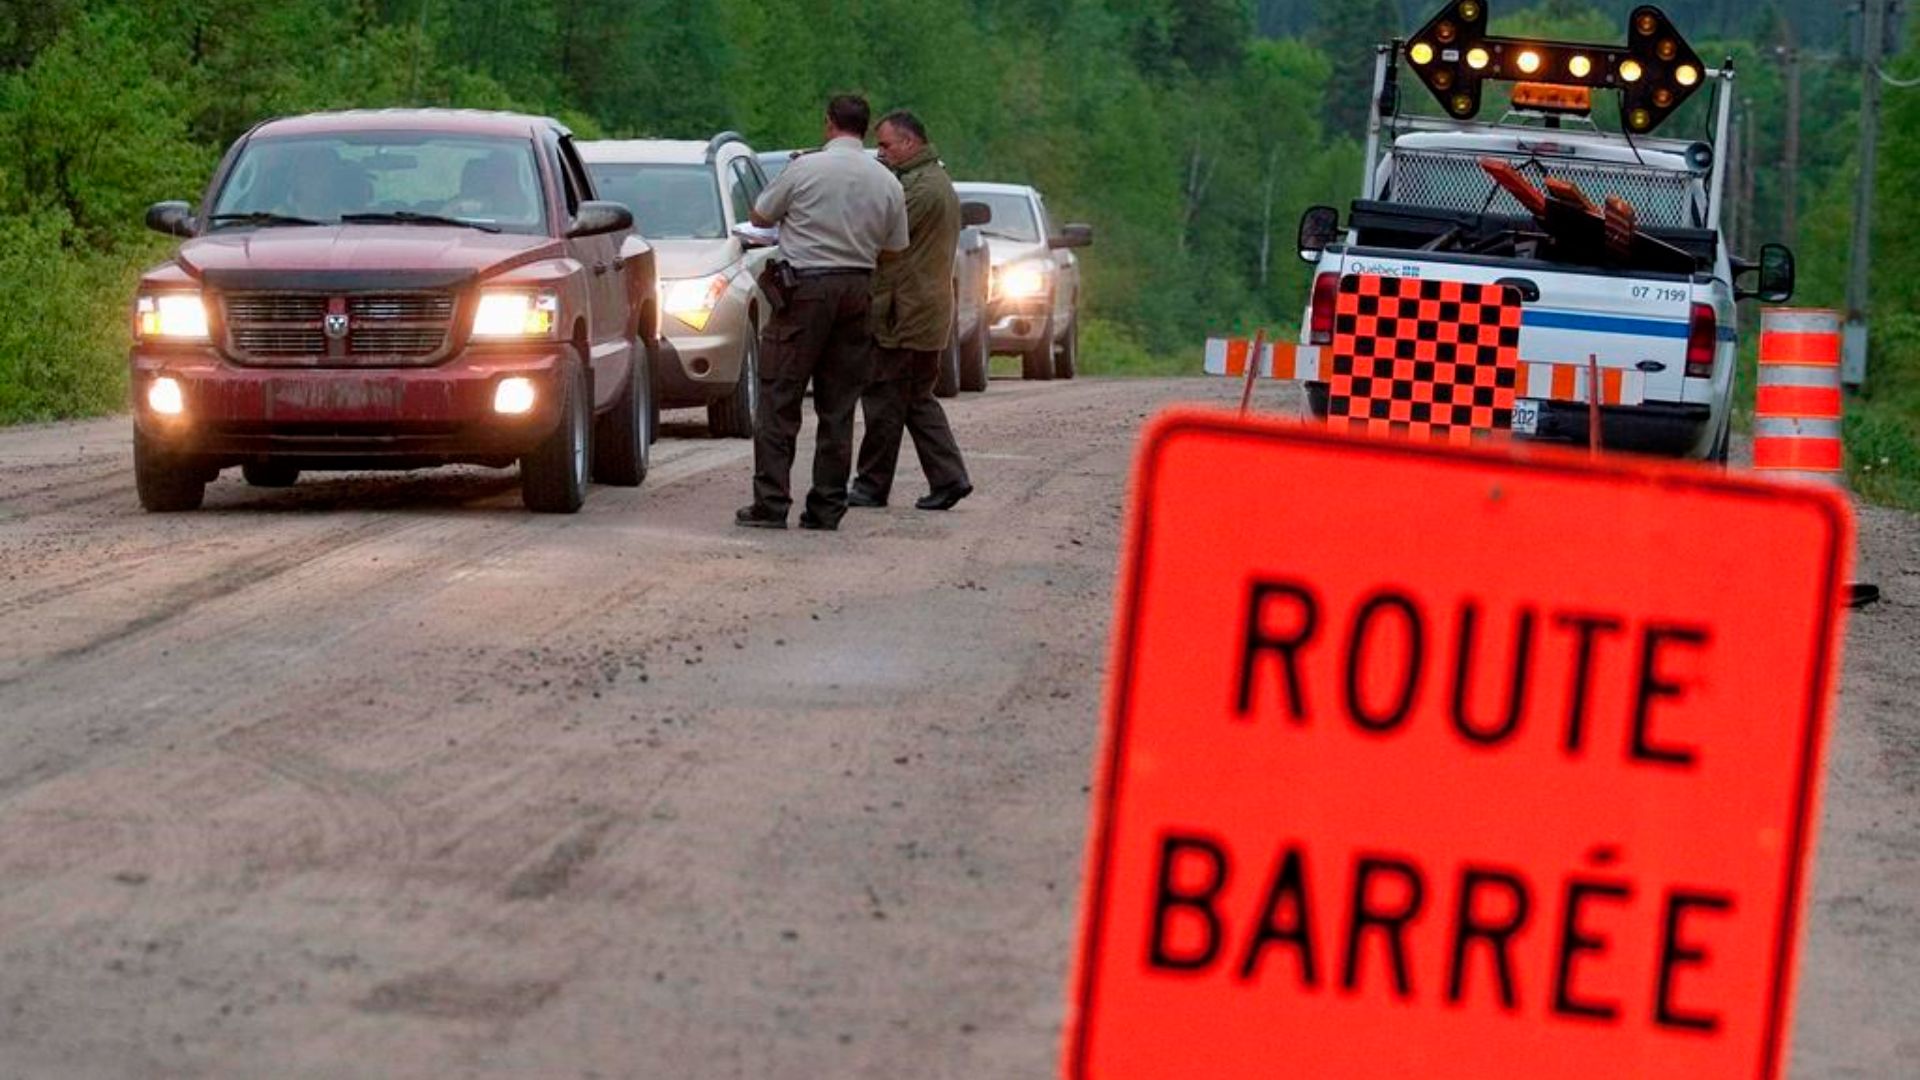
x: 837, y: 209
x: 913, y: 294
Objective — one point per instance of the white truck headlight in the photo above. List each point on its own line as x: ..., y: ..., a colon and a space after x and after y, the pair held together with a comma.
x: 1018, y: 281
x: 508, y: 314
x: 692, y: 300
x: 170, y: 316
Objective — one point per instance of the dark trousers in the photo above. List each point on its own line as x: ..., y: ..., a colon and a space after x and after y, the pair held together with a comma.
x: 821, y: 335
x: 901, y: 397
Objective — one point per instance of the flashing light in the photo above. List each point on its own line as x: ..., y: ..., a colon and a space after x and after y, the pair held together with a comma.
x: 1552, y: 97
x: 1654, y: 72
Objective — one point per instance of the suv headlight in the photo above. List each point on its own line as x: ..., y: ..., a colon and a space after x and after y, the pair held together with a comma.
x: 692, y: 300
x: 170, y: 316
x: 1021, y: 280
x: 516, y: 313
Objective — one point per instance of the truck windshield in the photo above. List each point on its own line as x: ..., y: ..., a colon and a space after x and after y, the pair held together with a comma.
x: 669, y: 202
x: 323, y: 178
x: 1012, y: 214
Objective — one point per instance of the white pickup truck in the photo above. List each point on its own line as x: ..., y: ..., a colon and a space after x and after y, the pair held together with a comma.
x: 1656, y: 316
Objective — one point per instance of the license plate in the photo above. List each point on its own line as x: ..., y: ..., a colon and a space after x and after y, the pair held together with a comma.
x: 1526, y: 417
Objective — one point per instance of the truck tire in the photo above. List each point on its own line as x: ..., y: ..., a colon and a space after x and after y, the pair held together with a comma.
x: 1066, y: 362
x: 947, y: 383
x: 1037, y: 362
x: 270, y: 474
x: 553, y: 475
x: 166, y: 483
x: 622, y: 436
x: 974, y: 359
x: 731, y: 417
x: 1722, y: 446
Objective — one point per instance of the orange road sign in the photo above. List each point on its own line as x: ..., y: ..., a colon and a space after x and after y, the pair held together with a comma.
x: 1428, y: 761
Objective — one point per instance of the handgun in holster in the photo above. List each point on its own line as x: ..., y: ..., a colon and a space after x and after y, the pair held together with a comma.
x: 777, y: 281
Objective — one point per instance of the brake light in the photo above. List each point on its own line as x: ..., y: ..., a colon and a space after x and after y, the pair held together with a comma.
x: 1326, y: 297
x: 1703, y: 339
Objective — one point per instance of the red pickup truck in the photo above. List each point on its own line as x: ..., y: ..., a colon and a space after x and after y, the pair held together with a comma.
x: 396, y: 289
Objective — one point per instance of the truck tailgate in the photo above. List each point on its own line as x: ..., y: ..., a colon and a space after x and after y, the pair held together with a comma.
x: 1635, y: 325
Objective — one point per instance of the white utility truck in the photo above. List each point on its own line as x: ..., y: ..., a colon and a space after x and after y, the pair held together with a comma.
x: 1609, y: 241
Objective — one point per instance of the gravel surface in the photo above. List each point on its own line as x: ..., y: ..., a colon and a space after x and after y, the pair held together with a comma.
x: 380, y: 775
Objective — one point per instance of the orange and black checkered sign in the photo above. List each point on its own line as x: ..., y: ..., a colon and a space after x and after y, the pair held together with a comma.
x: 1435, y: 360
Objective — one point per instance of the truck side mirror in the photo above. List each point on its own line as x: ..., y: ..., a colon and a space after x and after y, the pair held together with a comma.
x: 1776, y: 269
x: 1072, y: 236
x: 597, y: 217
x: 172, y: 218
x: 975, y: 213
x: 1319, y: 226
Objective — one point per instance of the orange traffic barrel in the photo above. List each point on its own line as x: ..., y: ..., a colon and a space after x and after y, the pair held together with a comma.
x: 1797, y: 405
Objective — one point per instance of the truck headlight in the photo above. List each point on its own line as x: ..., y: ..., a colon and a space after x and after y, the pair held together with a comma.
x: 509, y: 314
x: 692, y: 300
x: 1018, y: 281
x: 171, y: 316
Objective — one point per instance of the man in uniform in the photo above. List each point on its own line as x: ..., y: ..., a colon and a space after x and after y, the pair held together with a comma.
x: 912, y: 316
x: 838, y: 211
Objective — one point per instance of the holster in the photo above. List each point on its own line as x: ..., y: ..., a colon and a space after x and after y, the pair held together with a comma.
x: 777, y: 281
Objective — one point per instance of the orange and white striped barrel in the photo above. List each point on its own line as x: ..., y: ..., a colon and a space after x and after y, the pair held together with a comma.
x: 1797, y: 404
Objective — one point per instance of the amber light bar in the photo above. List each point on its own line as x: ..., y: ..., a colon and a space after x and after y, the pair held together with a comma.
x: 1655, y: 73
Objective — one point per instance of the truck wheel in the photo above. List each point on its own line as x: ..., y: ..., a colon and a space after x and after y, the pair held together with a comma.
x: 1067, y: 361
x: 622, y: 435
x: 947, y: 383
x: 1723, y: 445
x: 973, y: 357
x: 1037, y: 362
x: 732, y: 416
x: 553, y: 475
x: 165, y: 482
x: 270, y: 474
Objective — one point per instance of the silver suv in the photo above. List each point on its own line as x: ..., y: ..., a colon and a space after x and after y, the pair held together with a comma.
x: 686, y: 198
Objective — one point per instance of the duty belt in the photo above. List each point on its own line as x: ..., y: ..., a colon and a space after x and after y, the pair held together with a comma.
x: 830, y: 271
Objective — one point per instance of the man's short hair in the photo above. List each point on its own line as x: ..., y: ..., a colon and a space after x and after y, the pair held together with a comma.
x: 907, y: 122
x: 849, y: 113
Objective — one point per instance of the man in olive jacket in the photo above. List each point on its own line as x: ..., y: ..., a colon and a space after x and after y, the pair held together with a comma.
x: 912, y: 313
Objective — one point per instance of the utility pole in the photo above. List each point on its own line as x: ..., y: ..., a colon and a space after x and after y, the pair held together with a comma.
x: 1790, y: 167
x: 1873, y: 30
x: 1748, y: 145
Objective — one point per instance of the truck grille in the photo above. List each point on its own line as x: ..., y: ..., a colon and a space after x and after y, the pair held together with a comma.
x: 1455, y: 181
x: 382, y: 328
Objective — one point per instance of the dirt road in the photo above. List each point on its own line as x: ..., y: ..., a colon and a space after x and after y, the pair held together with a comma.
x: 384, y: 776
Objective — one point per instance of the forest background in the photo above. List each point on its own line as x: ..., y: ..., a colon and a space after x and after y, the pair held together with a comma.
x: 1190, y: 133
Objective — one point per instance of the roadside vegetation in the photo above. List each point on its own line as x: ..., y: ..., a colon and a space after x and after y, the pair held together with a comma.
x: 1190, y: 133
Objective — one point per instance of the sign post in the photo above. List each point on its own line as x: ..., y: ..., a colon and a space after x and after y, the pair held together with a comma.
x: 1435, y: 762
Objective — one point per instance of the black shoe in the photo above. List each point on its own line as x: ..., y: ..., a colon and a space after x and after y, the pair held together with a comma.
x: 814, y: 524
x: 944, y: 498
x: 859, y: 496
x: 752, y: 517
